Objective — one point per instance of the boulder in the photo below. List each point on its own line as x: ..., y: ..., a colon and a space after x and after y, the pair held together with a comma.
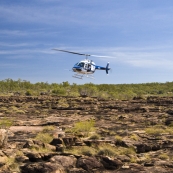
x: 89, y: 164
x: 42, y: 167
x: 56, y: 141
x: 112, y: 164
x: 3, y: 138
x: 65, y: 161
x: 34, y: 157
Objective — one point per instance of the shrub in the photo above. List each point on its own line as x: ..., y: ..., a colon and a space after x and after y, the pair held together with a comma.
x: 84, y: 150
x: 134, y: 137
x: 126, y: 151
x: 107, y: 150
x: 28, y: 93
x: 88, y: 151
x: 94, y: 137
x: 48, y: 129
x: 133, y: 160
x: 85, y: 127
x: 118, y: 139
x: 12, y: 164
x: 59, y: 91
x: 63, y: 102
x: 44, y: 137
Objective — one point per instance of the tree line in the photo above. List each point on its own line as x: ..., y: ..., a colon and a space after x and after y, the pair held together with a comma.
x: 115, y: 91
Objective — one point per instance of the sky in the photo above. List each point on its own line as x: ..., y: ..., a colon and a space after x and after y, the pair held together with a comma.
x: 137, y: 35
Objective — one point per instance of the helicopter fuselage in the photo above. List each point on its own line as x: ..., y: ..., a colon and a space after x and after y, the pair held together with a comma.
x: 84, y: 67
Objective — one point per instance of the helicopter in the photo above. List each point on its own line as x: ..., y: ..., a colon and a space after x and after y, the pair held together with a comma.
x: 86, y: 67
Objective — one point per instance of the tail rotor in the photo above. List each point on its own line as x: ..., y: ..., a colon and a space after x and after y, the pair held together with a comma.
x: 107, y: 68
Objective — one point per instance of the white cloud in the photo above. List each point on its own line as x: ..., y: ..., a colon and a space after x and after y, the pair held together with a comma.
x: 145, y: 57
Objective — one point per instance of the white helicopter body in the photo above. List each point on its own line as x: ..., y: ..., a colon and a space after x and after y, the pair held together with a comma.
x: 86, y: 68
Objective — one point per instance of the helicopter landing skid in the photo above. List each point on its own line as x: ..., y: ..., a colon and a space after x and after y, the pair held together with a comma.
x: 79, y: 76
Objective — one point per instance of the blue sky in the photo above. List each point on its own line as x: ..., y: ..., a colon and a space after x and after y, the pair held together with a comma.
x: 136, y: 34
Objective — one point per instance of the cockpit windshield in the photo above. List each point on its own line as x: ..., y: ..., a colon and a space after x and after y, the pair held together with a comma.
x: 81, y: 64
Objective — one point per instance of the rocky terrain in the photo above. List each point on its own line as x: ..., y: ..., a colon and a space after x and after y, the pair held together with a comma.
x: 128, y: 136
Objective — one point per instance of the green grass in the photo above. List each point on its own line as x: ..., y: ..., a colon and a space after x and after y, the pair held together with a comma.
x: 11, y: 164
x: 44, y: 137
x: 164, y: 156
x: 6, y: 123
x: 48, y: 129
x: 107, y: 150
x: 41, y: 149
x: 84, y: 127
x: 155, y: 131
x: 159, y: 130
x: 94, y: 137
x: 134, y: 137
x: 118, y: 139
x: 82, y: 150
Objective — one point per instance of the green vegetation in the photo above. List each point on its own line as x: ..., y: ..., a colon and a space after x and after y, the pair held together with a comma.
x: 41, y: 149
x: 159, y: 130
x: 164, y: 156
x: 5, y: 123
x: 105, y: 91
x: 48, y: 129
x: 134, y: 137
x: 82, y: 150
x: 11, y: 164
x: 104, y: 149
x: 84, y: 127
x: 94, y: 137
x: 118, y: 139
x: 44, y: 137
x: 107, y: 150
x: 126, y: 151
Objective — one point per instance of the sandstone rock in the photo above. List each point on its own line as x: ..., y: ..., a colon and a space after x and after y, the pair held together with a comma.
x: 22, y: 159
x: 164, y: 163
x: 42, y: 167
x: 60, y: 148
x: 77, y: 170
x: 28, y: 144
x: 34, y: 157
x: 169, y: 121
x: 56, y: 141
x: 157, y: 169
x: 123, y: 158
x: 89, y: 164
x: 65, y: 161
x: 3, y: 138
x: 132, y: 168
x: 112, y: 164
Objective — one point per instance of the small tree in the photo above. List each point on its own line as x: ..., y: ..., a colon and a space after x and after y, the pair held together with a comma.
x: 84, y: 127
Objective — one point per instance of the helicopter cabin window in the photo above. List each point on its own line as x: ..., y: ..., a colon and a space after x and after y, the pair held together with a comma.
x: 81, y: 64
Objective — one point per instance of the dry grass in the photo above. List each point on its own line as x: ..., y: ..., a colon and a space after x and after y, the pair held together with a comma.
x: 82, y: 150
x: 44, y: 137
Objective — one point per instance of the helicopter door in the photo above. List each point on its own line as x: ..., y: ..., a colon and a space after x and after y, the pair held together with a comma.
x: 92, y: 68
x: 85, y: 66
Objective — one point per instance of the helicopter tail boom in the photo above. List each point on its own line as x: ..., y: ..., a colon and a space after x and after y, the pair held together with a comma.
x: 103, y: 68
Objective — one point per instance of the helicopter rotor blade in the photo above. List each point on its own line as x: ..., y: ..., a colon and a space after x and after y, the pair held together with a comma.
x: 82, y: 53
x: 71, y: 52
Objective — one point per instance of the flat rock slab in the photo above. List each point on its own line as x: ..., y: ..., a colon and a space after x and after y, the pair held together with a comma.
x: 25, y: 128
